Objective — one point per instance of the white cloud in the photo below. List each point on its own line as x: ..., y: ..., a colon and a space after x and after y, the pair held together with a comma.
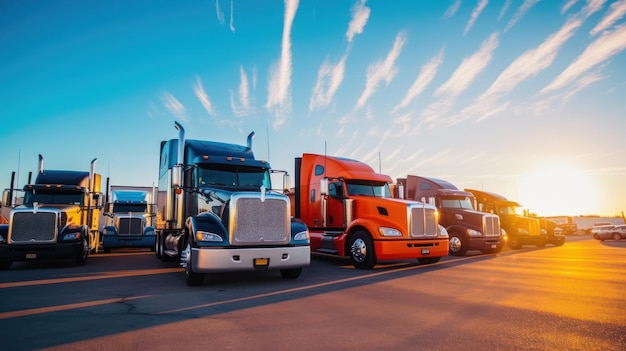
x: 505, y: 8
x: 279, y: 99
x: 219, y: 12
x: 477, y: 11
x: 232, y: 17
x: 568, y: 5
x: 384, y: 70
x: 426, y: 75
x: 615, y: 13
x: 243, y: 108
x: 174, y: 107
x: 451, y: 11
x: 329, y: 78
x: 198, y: 89
x: 526, y: 6
x: 360, y: 16
x: 605, y: 47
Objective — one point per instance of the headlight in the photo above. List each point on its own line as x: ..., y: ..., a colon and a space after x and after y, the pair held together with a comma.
x: 522, y: 231
x: 472, y: 232
x: 150, y: 232
x: 1, y: 238
x: 544, y: 232
x: 302, y: 235
x: 72, y: 236
x: 207, y: 236
x: 442, y: 230
x: 389, y: 232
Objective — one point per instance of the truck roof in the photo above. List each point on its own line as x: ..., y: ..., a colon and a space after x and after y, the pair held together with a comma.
x: 419, y: 186
x: 76, y: 178
x: 347, y: 168
x: 195, y: 150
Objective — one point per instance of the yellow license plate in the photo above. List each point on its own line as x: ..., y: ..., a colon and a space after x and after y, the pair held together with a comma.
x: 261, y: 261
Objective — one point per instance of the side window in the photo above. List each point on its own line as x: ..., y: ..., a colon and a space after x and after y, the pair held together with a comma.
x: 319, y: 170
x: 335, y: 189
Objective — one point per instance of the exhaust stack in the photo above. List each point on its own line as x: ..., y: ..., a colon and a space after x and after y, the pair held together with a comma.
x: 40, y: 163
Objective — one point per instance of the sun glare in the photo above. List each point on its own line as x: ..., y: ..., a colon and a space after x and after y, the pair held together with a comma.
x: 558, y: 189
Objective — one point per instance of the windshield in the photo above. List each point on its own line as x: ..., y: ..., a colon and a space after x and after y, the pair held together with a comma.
x: 457, y: 202
x: 368, y: 188
x: 511, y: 210
x: 125, y: 208
x: 233, y: 176
x: 53, y: 197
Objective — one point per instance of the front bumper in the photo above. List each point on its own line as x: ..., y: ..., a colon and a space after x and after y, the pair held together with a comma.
x: 35, y: 252
x: 121, y: 241
x: 403, y: 249
x: 213, y: 260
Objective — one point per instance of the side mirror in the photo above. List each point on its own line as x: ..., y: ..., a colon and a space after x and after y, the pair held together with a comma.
x: 324, y: 186
x: 286, y: 182
x: 6, y: 198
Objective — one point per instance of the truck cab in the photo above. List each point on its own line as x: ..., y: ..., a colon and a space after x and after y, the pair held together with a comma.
x: 468, y: 229
x: 520, y: 228
x: 58, y: 219
x: 349, y: 211
x: 220, y: 214
x: 129, y: 220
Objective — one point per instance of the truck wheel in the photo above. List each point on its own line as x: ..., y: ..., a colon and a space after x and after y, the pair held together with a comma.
x: 559, y: 242
x: 4, y: 265
x: 514, y: 243
x: 192, y: 278
x: 362, y: 252
x: 458, y: 244
x: 290, y: 273
x: 617, y: 236
x: 80, y: 260
x: 428, y: 260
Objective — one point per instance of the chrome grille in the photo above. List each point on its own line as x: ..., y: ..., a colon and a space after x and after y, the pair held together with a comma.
x: 29, y: 227
x: 256, y: 222
x: 423, y: 221
x: 491, y: 225
x: 130, y: 226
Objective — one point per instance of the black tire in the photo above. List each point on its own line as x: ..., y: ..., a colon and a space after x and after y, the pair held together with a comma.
x: 82, y: 258
x: 361, y: 250
x: 617, y: 236
x: 558, y: 242
x: 514, y: 243
x: 457, y: 244
x: 293, y: 273
x: 4, y: 265
x: 107, y: 250
x: 192, y: 278
x: 158, y: 248
x: 428, y: 260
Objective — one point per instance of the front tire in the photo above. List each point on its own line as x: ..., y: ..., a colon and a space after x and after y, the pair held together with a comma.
x: 82, y: 258
x: 361, y: 248
x: 514, y: 243
x: 458, y: 244
x: 4, y: 265
x: 191, y: 278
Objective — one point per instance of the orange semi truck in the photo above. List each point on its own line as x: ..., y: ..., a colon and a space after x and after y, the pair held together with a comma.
x: 350, y: 213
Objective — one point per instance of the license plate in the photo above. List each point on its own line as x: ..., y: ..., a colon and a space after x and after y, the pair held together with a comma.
x: 425, y: 251
x: 31, y: 255
x: 494, y: 246
x: 261, y: 261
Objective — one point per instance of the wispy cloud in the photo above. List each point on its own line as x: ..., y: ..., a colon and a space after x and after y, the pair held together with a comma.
x: 568, y: 5
x: 384, y: 70
x: 219, y: 12
x: 174, y: 107
x: 243, y: 107
x: 606, y: 46
x: 523, y: 10
x: 360, y: 16
x: 451, y: 11
x: 462, y: 77
x: 505, y: 8
x: 279, y: 98
x: 615, y: 13
x: 198, y: 89
x: 477, y: 11
x: 329, y: 78
x: 232, y: 17
x: 426, y: 75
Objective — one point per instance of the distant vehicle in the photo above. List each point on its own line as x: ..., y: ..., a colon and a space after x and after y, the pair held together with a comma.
x: 129, y: 219
x: 606, y: 232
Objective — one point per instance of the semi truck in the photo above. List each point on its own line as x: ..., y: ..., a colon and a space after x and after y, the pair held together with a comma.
x: 467, y: 228
x: 59, y: 217
x: 521, y: 229
x: 220, y: 213
x: 129, y: 218
x: 349, y: 211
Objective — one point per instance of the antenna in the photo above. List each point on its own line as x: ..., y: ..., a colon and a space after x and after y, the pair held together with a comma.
x: 267, y: 128
x: 380, y: 167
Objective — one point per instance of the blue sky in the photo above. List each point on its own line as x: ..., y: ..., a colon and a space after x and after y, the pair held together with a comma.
x: 525, y: 98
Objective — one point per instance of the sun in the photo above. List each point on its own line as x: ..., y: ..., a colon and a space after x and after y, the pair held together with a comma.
x: 558, y: 189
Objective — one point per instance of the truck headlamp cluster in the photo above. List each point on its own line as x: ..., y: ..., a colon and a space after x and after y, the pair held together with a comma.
x: 383, y: 231
x: 207, y: 236
x: 442, y: 230
x: 472, y: 232
x: 522, y: 231
x: 2, y: 239
x: 302, y: 235
x: 150, y: 231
